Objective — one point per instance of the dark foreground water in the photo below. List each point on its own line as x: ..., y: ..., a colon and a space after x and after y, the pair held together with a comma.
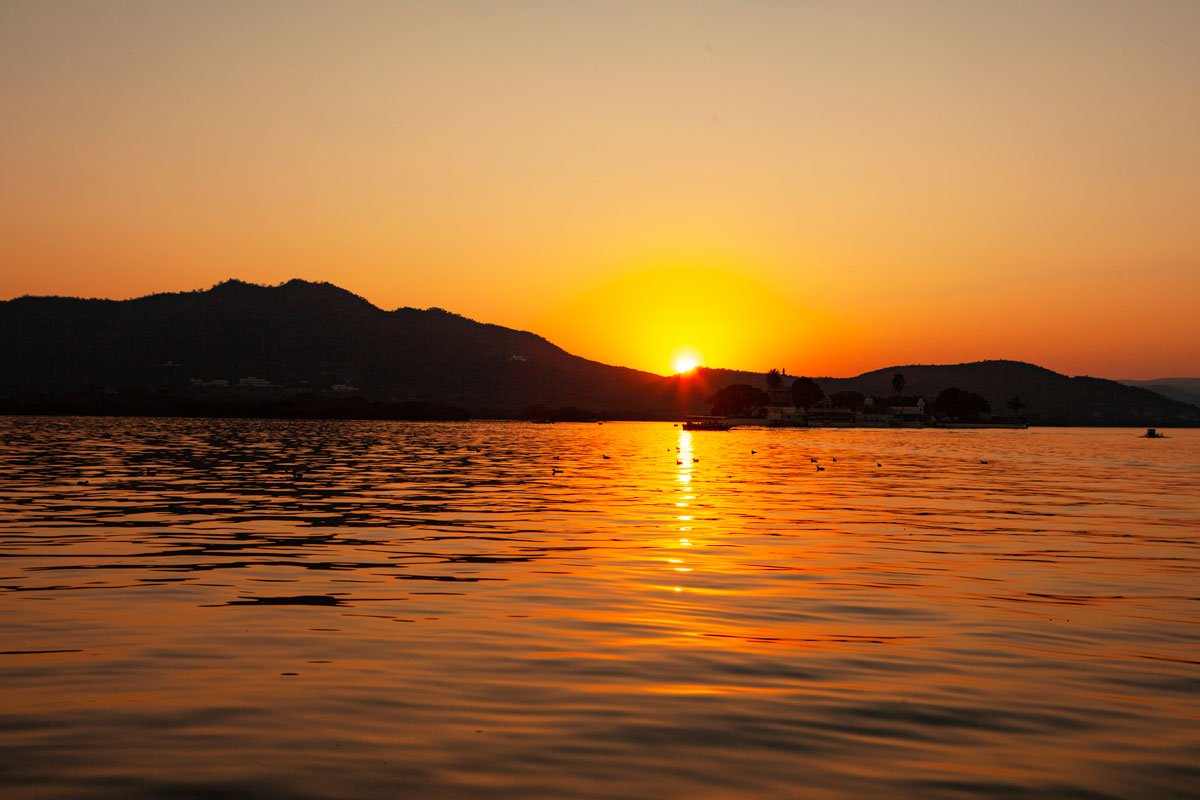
x: 365, y: 610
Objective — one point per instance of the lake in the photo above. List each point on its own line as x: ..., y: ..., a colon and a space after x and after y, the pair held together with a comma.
x: 261, y: 609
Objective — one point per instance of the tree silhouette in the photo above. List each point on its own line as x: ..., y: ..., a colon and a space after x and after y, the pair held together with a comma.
x: 774, y: 379
x: 737, y: 400
x: 961, y: 405
x: 806, y: 393
x: 899, y: 382
x: 1015, y: 405
x: 848, y: 399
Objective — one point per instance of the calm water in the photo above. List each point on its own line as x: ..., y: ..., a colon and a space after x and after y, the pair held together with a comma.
x: 320, y: 610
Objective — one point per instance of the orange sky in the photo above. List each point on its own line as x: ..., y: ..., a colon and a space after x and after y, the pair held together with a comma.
x: 826, y: 187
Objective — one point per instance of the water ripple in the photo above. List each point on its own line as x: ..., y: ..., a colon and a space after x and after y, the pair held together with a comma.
x: 363, y: 609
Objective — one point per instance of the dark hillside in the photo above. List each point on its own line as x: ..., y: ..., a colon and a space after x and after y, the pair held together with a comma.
x: 315, y: 339
x: 1185, y: 390
x: 301, y: 337
x: 1049, y: 397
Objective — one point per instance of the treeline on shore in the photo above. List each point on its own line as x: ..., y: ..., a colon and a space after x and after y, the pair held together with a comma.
x: 542, y: 413
x: 952, y: 403
x: 88, y: 402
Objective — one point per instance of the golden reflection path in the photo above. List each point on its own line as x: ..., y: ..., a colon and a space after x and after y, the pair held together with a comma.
x: 685, y: 461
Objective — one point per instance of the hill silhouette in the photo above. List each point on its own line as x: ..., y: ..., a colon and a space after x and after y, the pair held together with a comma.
x: 1049, y: 397
x: 315, y: 339
x: 1185, y: 390
x: 301, y: 336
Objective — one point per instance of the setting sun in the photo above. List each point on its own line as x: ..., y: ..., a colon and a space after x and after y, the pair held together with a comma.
x: 685, y: 359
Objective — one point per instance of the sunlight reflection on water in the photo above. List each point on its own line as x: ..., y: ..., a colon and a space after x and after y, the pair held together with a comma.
x: 308, y: 609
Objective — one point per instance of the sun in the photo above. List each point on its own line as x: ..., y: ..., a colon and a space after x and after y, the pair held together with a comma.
x: 685, y: 359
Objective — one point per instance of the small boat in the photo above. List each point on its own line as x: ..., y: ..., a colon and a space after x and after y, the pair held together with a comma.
x: 1151, y: 433
x: 706, y: 424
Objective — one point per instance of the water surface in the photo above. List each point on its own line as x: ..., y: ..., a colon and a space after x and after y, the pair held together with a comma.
x: 248, y: 609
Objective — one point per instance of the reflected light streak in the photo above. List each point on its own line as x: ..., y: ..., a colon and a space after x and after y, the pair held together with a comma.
x: 684, y: 449
x: 685, y: 461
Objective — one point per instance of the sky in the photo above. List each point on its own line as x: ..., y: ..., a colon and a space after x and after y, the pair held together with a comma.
x: 827, y: 188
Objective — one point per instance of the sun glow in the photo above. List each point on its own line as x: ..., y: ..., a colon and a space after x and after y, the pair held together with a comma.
x: 685, y: 359
x: 650, y: 318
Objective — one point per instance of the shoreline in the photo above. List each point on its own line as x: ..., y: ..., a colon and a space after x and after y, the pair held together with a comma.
x: 735, y: 423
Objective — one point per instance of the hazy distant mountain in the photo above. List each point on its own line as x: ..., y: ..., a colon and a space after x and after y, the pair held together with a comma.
x: 1185, y: 390
x: 314, y: 337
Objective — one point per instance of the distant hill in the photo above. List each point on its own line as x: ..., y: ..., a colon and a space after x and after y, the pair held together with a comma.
x: 1049, y: 397
x: 1185, y: 390
x: 302, y: 338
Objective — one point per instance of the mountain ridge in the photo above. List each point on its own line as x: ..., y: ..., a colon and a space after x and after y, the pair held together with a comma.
x: 1185, y: 390
x: 301, y: 336
x: 297, y: 333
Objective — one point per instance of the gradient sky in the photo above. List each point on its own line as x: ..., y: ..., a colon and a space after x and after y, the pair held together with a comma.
x: 825, y: 187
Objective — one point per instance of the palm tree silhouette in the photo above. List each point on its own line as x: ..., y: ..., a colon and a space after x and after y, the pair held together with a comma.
x: 899, y: 382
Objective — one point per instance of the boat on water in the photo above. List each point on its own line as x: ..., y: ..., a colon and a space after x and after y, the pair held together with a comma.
x: 706, y: 424
x: 1151, y: 433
